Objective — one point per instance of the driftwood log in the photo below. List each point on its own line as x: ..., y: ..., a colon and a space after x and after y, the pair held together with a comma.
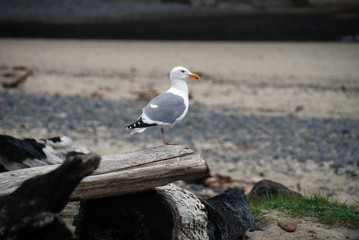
x: 30, y: 211
x: 116, y: 200
x: 165, y: 213
x: 120, y: 174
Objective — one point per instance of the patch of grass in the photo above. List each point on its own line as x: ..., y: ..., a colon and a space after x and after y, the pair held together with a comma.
x: 327, y: 210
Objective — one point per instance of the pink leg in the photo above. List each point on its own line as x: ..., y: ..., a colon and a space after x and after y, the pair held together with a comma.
x: 164, y: 138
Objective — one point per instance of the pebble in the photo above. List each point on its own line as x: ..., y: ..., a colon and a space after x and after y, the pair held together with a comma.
x: 288, y: 226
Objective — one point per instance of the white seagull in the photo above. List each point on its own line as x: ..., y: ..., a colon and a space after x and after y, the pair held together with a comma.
x: 168, y: 108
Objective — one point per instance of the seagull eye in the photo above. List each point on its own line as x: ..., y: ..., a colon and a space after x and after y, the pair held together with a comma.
x: 182, y: 71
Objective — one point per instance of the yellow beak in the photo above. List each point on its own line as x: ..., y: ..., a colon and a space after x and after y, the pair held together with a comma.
x: 193, y: 75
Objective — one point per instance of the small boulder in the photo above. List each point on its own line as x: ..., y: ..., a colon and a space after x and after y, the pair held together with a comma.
x: 268, y: 187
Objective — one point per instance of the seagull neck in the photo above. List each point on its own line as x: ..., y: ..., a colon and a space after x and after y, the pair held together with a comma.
x: 179, y: 87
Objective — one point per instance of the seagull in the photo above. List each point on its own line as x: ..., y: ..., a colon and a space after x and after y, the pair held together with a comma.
x: 168, y: 108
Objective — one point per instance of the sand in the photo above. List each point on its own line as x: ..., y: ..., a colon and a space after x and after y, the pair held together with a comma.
x: 237, y: 65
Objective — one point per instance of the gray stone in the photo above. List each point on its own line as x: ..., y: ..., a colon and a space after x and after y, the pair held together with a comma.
x: 268, y: 187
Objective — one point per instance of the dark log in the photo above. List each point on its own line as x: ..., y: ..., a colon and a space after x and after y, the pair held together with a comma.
x: 167, y: 212
x: 30, y: 210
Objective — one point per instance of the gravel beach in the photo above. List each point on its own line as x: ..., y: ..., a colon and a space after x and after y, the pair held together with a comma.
x: 283, y: 111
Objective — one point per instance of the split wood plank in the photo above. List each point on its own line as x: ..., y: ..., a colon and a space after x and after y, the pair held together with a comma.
x: 124, y: 173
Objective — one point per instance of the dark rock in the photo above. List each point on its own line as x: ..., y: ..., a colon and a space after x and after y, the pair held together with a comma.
x: 229, y: 215
x: 267, y: 187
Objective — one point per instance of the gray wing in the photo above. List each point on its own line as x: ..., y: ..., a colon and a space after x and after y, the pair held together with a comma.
x: 169, y: 108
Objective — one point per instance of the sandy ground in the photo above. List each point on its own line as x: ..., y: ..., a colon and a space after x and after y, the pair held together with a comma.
x: 277, y: 77
x: 237, y: 65
x: 307, y: 229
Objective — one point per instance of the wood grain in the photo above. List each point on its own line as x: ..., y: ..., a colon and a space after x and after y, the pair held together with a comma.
x: 124, y: 173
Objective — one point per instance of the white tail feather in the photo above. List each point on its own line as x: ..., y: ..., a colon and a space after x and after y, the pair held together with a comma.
x: 137, y: 130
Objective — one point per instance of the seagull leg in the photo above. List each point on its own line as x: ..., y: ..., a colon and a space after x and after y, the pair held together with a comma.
x: 164, y: 138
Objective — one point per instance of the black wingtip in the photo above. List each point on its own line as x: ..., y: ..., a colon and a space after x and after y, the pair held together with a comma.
x: 139, y: 124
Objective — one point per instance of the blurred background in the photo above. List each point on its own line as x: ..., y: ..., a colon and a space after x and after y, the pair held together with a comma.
x: 278, y: 96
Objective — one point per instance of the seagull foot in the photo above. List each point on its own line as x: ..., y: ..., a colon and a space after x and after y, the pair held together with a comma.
x: 171, y: 143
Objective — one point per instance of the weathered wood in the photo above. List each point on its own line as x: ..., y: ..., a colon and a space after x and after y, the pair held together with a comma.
x: 124, y: 173
x: 167, y: 212
x: 189, y: 218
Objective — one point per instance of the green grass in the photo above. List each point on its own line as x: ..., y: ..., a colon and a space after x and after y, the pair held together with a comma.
x: 326, y: 210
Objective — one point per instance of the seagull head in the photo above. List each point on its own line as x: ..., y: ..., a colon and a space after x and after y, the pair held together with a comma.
x: 182, y: 73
